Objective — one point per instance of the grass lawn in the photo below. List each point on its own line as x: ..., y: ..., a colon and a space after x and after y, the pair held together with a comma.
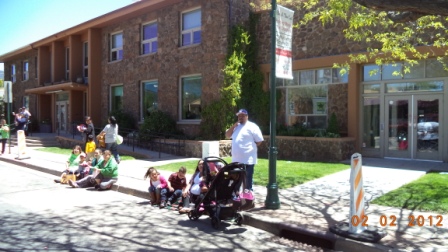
x: 428, y: 193
x: 289, y: 173
x: 65, y: 151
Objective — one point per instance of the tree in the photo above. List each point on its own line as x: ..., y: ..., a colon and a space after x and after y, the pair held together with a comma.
x: 392, y: 30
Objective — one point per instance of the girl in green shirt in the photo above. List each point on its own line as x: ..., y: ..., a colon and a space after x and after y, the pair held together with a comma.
x: 4, y: 134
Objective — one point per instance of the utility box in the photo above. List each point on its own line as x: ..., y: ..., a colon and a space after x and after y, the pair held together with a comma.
x: 210, y: 148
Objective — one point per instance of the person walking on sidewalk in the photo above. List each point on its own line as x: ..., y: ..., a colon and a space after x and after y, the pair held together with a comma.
x: 110, y: 132
x: 177, y: 183
x: 246, y: 136
x: 4, y: 134
x: 158, y: 187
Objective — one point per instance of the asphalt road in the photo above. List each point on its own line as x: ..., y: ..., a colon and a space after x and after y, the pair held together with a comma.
x: 37, y: 214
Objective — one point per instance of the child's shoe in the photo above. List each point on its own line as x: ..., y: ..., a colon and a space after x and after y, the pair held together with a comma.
x: 162, y: 204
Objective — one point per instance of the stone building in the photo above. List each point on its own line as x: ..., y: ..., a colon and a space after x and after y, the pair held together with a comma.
x: 169, y: 54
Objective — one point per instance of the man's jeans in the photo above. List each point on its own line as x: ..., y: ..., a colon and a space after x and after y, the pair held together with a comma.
x: 173, y: 196
x: 249, y: 176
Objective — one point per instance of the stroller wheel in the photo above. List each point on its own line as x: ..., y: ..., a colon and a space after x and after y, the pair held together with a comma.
x: 239, y: 219
x: 192, y: 215
x: 215, y: 222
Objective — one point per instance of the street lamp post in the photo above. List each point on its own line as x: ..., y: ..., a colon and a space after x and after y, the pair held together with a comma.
x: 272, y: 201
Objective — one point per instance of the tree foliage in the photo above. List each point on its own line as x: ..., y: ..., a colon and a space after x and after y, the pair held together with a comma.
x: 392, y: 30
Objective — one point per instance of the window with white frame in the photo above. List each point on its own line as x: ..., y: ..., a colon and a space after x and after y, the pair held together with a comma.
x: 85, y: 61
x: 149, y: 38
x: 13, y: 73
x: 116, y: 97
x: 116, y: 46
x: 149, y: 93
x: 191, y: 91
x: 26, y: 71
x: 67, y: 64
x: 191, y: 27
x: 306, y: 96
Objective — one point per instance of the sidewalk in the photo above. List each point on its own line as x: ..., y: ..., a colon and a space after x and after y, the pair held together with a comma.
x: 307, y: 211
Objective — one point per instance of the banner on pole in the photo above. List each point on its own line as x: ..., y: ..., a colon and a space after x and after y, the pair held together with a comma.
x: 283, y: 42
x: 7, y: 96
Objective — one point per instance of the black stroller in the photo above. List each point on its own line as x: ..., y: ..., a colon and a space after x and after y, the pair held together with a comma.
x: 223, y: 187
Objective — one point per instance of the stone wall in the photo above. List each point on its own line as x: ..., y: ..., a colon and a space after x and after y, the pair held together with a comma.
x: 289, y: 148
x: 310, y: 148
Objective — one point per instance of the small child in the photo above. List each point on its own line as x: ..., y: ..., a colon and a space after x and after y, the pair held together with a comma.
x: 158, y: 187
x: 83, y: 166
x: 177, y: 184
x: 90, y: 147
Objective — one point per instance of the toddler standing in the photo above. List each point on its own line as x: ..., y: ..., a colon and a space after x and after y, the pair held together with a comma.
x: 90, y: 147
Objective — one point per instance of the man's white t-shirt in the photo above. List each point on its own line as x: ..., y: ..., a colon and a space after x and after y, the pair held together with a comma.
x: 244, y: 147
x: 111, y: 133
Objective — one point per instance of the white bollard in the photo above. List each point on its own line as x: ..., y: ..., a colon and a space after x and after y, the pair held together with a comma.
x: 357, y: 214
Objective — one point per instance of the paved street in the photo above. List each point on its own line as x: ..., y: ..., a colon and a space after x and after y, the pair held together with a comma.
x: 39, y: 215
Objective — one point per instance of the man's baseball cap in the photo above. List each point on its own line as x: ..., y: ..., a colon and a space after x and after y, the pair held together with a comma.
x: 242, y: 111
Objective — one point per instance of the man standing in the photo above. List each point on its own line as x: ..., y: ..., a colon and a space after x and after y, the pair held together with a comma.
x: 246, y: 136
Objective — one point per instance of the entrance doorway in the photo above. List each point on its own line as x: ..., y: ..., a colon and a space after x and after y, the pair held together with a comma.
x: 62, y: 117
x: 412, y: 125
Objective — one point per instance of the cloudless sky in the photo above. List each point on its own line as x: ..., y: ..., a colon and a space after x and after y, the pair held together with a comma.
x: 25, y: 21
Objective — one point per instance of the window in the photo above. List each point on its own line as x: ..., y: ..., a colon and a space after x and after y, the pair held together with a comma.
x: 191, y: 90
x: 116, y: 98
x: 149, y: 38
x: 26, y: 102
x: 116, y: 47
x: 13, y: 73
x: 36, y: 73
x: 26, y: 71
x: 85, y: 61
x: 67, y: 64
x: 307, y: 95
x: 191, y: 27
x: 149, y: 92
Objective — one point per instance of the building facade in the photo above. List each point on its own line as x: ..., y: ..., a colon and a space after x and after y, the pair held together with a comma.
x: 169, y: 55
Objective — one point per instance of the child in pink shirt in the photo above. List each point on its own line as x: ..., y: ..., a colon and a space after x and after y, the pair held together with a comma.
x: 158, y: 187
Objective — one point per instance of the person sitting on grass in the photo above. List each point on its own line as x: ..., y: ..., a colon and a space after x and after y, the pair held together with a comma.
x: 177, y: 184
x: 71, y: 165
x: 157, y: 188
x: 107, y: 174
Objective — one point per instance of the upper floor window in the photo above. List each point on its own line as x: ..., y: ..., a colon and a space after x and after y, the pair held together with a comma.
x: 191, y: 27
x: 13, y: 73
x: 36, y: 72
x: 149, y: 92
x: 67, y: 63
x: 26, y: 73
x: 116, y: 46
x: 116, y: 97
x: 85, y: 61
x: 191, y: 91
x: 149, y: 38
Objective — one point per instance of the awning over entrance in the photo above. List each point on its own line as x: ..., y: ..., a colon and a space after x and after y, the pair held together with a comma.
x: 55, y: 88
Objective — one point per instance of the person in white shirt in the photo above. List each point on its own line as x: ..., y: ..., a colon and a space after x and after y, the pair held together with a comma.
x: 110, y: 132
x: 246, y: 136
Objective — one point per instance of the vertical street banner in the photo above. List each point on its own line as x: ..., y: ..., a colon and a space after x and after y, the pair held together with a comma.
x: 7, y: 94
x: 283, y: 43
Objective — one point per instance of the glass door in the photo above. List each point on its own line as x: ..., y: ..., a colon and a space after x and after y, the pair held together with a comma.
x: 61, y: 116
x: 426, y: 126
x: 412, y: 127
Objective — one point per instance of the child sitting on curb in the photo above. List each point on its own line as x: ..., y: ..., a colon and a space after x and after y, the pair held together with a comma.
x: 177, y: 183
x: 157, y: 188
